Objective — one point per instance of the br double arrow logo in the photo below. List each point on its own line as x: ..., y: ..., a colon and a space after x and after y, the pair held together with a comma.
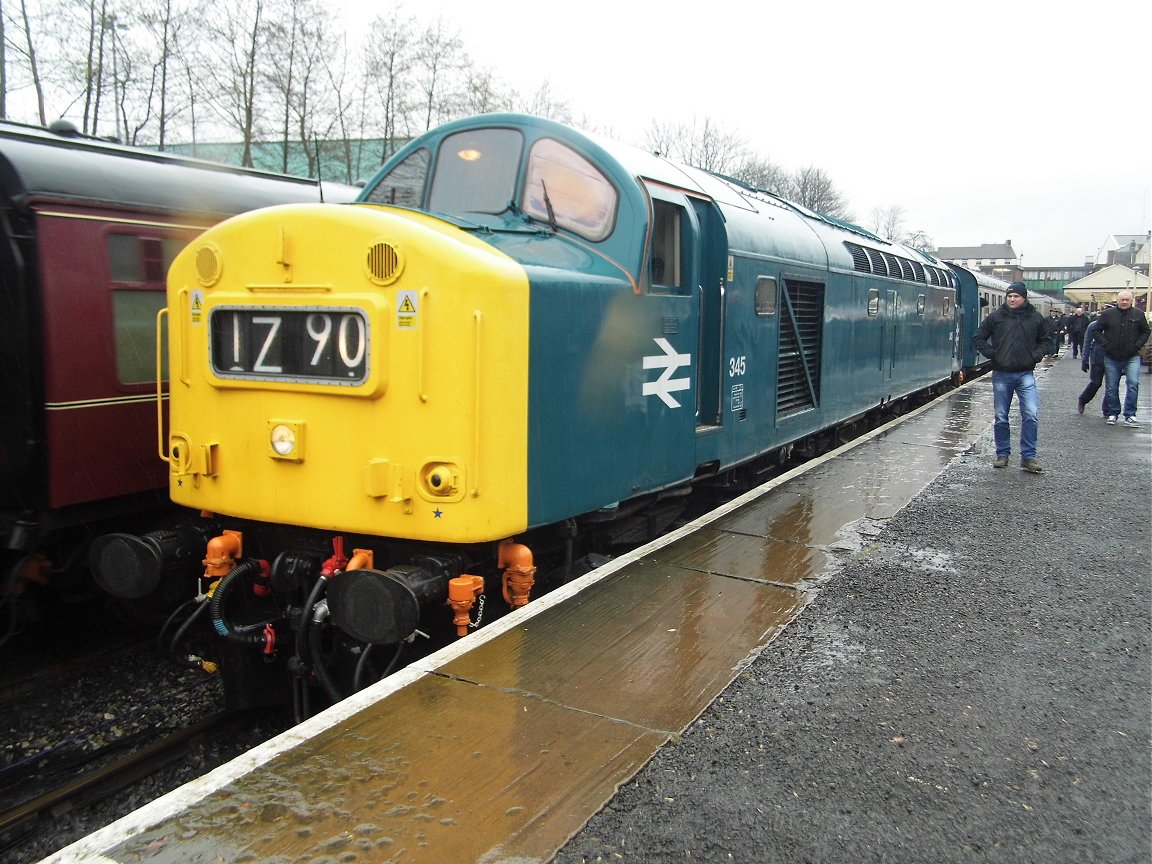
x: 666, y: 385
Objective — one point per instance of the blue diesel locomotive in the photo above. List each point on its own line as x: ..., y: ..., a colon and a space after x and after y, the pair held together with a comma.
x: 520, y: 345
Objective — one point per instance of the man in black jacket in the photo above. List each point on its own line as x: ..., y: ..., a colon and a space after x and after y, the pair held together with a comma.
x: 1092, y: 362
x: 1015, y: 338
x: 1122, y: 332
x: 1076, y: 325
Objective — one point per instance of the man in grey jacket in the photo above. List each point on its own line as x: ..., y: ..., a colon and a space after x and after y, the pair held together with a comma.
x: 1015, y: 338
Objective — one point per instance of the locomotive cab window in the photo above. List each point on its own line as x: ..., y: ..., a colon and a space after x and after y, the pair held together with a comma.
x: 403, y: 186
x: 476, y: 171
x: 919, y: 304
x: 564, y: 189
x: 873, y: 302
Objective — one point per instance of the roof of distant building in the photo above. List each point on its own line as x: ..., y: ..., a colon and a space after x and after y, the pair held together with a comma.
x: 995, y: 251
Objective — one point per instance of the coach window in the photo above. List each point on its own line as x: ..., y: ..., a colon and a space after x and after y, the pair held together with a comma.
x: 141, y: 265
x: 873, y: 302
x: 404, y: 184
x: 134, y: 317
x: 919, y: 304
x: 765, y: 295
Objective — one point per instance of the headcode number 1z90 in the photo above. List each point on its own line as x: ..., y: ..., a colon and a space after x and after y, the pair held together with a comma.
x: 317, y: 345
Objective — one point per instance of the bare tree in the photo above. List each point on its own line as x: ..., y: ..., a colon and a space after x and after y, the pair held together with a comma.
x: 887, y: 221
x: 388, y: 62
x: 29, y: 51
x: 762, y: 174
x: 920, y: 240
x: 233, y: 69
x: 439, y: 57
x: 543, y: 104
x: 813, y: 188
x: 165, y: 25
x: 348, y: 115
x: 300, y: 29
x: 704, y: 145
x: 3, y: 65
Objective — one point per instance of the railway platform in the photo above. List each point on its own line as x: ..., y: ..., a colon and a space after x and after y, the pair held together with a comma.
x: 894, y: 653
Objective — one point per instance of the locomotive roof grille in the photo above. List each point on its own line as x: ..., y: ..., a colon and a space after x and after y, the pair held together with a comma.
x: 878, y: 263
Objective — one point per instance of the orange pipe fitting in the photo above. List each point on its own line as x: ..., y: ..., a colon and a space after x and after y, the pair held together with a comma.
x: 362, y: 559
x: 462, y: 594
x: 519, y: 572
x: 222, y: 553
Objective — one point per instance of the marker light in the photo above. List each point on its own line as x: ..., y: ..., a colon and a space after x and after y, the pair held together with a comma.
x: 284, y: 439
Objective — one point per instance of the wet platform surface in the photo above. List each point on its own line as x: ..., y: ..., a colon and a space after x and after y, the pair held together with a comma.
x: 499, y: 748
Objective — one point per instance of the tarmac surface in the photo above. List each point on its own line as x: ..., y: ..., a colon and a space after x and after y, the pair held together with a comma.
x: 974, y: 685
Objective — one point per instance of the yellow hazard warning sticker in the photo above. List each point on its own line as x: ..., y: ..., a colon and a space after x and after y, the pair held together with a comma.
x: 196, y: 308
x: 406, y: 309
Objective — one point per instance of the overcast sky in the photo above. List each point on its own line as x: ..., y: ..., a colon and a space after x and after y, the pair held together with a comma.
x: 985, y: 121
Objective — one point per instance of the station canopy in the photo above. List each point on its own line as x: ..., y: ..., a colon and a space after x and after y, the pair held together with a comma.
x: 1102, y: 286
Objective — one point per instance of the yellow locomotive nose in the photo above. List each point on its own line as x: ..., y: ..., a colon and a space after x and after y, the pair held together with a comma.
x: 345, y: 367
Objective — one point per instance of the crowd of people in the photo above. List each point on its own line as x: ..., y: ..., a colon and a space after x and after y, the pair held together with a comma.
x: 1016, y: 337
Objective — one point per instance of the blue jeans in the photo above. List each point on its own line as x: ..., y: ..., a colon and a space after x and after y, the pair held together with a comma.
x: 1023, y: 384
x: 1113, y: 369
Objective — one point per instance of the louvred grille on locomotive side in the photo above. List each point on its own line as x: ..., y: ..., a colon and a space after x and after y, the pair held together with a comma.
x: 798, y: 369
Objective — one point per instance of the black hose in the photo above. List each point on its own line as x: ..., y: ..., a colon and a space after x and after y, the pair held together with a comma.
x: 323, y: 674
x: 249, y: 634
x: 197, y: 613
x: 358, y: 683
x: 161, y: 637
x: 302, y: 650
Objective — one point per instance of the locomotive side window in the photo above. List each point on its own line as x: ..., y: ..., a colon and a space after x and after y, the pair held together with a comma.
x: 476, y: 171
x: 919, y: 304
x: 404, y: 184
x: 565, y: 189
x: 873, y: 302
x: 666, y: 245
x: 765, y: 295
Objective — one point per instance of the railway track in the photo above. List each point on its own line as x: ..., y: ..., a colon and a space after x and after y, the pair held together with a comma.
x: 17, y: 821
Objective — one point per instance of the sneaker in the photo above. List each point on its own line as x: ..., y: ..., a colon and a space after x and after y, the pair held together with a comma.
x: 1001, y: 462
x: 1111, y: 421
x: 1131, y: 422
x: 1031, y: 466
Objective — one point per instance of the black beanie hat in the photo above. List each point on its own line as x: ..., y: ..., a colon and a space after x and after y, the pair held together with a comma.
x: 1017, y: 288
